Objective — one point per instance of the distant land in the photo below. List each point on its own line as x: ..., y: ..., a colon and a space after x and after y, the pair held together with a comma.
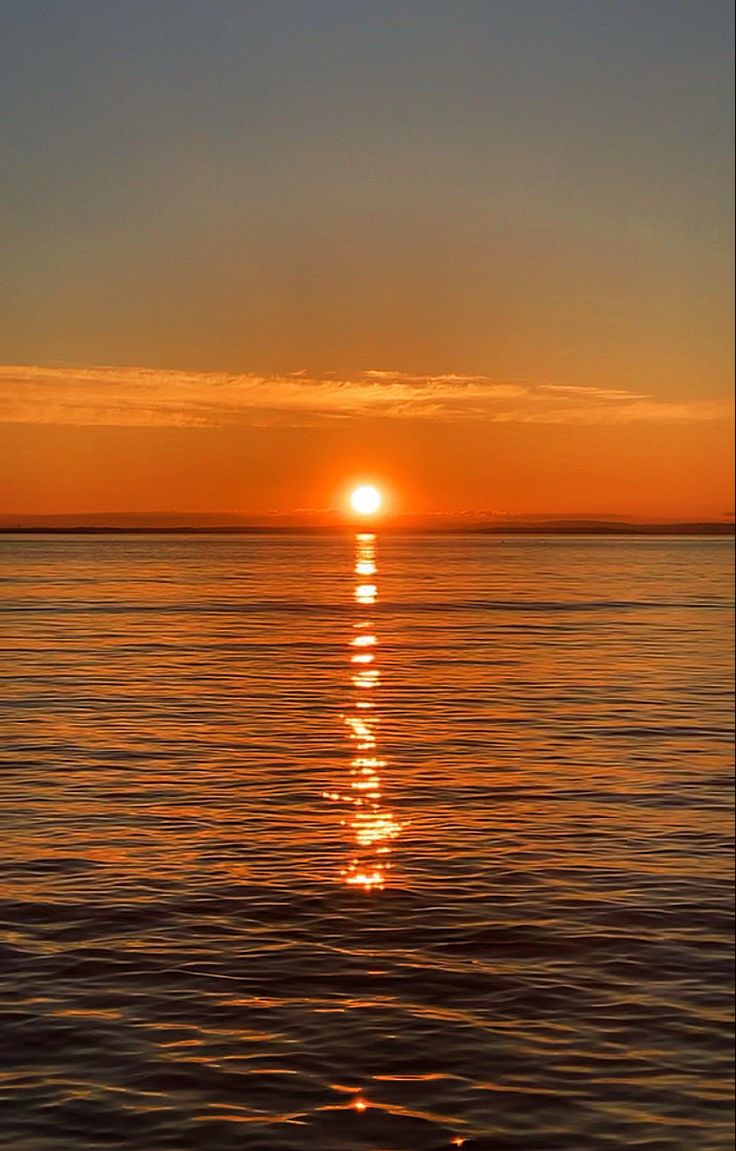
x: 329, y: 522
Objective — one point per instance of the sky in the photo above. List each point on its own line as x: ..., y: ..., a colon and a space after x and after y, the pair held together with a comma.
x: 476, y: 252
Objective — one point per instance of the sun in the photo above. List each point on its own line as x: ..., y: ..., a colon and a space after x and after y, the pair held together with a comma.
x: 365, y: 500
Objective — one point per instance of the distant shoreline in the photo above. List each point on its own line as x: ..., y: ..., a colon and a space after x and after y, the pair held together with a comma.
x: 545, y: 529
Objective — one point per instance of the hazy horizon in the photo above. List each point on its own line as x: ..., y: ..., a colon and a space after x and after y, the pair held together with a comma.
x: 336, y: 519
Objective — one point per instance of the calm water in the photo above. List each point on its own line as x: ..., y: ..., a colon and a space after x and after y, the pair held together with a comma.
x: 339, y: 843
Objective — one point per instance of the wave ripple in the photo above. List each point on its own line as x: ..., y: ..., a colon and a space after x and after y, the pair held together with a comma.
x: 439, y: 860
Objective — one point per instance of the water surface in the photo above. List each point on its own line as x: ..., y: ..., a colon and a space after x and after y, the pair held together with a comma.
x: 351, y: 843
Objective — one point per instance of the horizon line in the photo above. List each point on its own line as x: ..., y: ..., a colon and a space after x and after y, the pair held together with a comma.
x: 547, y: 528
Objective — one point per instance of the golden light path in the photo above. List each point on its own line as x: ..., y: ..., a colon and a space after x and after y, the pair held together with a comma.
x: 372, y: 827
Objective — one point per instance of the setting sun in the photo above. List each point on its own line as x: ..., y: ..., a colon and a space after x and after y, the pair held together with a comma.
x: 366, y: 500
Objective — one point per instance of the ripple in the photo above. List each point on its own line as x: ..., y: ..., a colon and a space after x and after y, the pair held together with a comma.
x: 547, y: 747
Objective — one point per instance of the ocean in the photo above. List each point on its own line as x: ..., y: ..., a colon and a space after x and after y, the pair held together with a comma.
x: 366, y: 842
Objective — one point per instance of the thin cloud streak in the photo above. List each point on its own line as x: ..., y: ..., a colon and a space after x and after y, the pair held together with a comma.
x: 145, y: 397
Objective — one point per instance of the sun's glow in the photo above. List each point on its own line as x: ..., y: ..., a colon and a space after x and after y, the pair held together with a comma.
x: 365, y: 500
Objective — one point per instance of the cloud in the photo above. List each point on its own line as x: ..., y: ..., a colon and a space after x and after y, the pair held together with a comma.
x: 145, y: 397
x: 598, y: 393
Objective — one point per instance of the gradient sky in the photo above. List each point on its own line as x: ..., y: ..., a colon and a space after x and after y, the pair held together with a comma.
x: 478, y: 251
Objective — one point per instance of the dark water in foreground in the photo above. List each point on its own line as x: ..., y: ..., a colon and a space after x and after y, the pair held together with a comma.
x: 338, y: 844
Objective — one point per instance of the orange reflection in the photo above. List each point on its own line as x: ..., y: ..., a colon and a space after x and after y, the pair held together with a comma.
x: 365, y: 565
x: 372, y: 827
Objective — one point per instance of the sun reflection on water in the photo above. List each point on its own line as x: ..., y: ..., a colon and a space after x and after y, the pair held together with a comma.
x: 371, y: 826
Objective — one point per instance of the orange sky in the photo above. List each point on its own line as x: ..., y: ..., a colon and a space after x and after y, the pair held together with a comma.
x: 479, y: 253
x: 673, y: 465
